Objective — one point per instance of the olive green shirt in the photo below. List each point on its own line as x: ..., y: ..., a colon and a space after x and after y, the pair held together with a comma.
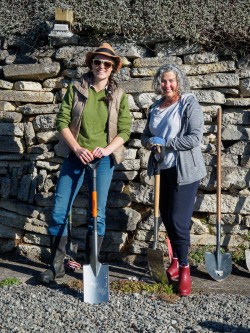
x: 93, y: 131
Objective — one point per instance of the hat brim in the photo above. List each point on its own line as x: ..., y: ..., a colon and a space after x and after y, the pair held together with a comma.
x: 117, y: 59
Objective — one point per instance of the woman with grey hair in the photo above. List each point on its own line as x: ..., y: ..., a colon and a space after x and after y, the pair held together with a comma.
x: 175, y: 123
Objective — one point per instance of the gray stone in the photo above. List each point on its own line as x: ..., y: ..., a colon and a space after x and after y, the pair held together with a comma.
x: 130, y: 50
x: 244, y: 62
x: 36, y: 226
x: 56, y: 83
x: 68, y: 52
x: 12, y: 129
x: 118, y: 199
x: 36, y: 72
x: 141, y: 194
x: 26, y: 96
x: 198, y: 228
x: 4, y: 187
x: 136, y: 86
x: 7, y: 106
x: 220, y: 67
x: 225, y: 219
x: 25, y: 85
x: 6, y: 85
x: 209, y: 96
x: 36, y: 239
x: 123, y: 219
x: 7, y: 245
x: 213, y: 80
x: 245, y: 87
x: 123, y: 75
x: 138, y: 125
x: 156, y: 62
x: 44, y: 122
x: 230, y: 204
x: 245, y: 161
x: 143, y: 71
x: 144, y: 100
x: 125, y: 175
x: 231, y: 132
x: 237, y: 102
x: 3, y: 54
x: 29, y: 134
x: 231, y: 92
x: 239, y: 148
x: 70, y: 73
x: 10, y: 144
x: 148, y: 236
x: 76, y: 73
x: 236, y: 116
x: 19, y: 207
x: 60, y: 41
x: 24, y: 188
x: 10, y: 117
x: 34, y: 109
x: 48, y: 165
x: 135, y: 143
x: 129, y: 165
x: 12, y: 219
x: 201, y: 58
x: 9, y: 232
x: 47, y: 137
x: 243, y: 73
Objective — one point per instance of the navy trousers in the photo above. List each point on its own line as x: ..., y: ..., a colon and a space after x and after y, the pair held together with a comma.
x: 176, y: 208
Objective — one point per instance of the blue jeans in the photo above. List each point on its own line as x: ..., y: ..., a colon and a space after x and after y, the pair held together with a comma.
x: 71, y: 178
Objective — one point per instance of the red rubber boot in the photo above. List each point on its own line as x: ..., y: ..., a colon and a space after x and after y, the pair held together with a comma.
x: 184, y: 281
x: 173, y: 270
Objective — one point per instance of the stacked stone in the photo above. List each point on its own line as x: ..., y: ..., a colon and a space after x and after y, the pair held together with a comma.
x: 30, y: 96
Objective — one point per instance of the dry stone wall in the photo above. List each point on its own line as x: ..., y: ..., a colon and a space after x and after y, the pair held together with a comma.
x: 30, y: 95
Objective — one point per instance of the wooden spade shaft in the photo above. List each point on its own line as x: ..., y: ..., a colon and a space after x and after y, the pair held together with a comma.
x: 156, y: 209
x: 218, y: 265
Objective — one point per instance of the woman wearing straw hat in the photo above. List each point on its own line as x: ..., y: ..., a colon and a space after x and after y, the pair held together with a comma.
x: 94, y: 122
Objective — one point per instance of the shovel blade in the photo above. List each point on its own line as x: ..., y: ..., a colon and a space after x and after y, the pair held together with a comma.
x: 96, y: 284
x: 218, y: 269
x: 156, y: 266
x: 247, y: 254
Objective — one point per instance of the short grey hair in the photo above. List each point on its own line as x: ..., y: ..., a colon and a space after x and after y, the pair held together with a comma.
x: 183, y: 84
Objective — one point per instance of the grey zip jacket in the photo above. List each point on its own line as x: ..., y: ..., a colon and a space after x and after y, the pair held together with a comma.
x: 189, y: 160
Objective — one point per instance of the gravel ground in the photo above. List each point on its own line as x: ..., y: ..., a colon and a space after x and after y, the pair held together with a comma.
x: 26, y: 308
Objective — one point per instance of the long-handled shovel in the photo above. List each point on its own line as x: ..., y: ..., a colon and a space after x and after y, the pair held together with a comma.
x: 218, y: 265
x: 95, y: 275
x: 155, y: 256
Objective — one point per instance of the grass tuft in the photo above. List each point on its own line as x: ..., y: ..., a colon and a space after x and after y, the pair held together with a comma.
x: 9, y: 282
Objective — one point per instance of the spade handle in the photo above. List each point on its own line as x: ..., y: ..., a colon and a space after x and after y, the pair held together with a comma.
x: 218, y: 169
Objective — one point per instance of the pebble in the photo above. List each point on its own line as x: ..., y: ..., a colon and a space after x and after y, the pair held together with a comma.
x: 32, y: 309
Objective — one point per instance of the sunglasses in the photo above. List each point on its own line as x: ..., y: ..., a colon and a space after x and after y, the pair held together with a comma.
x: 106, y: 64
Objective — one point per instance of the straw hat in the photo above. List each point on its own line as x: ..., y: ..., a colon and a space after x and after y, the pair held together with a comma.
x: 107, y: 50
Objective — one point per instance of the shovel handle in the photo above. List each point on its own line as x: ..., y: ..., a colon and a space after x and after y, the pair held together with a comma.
x: 158, y: 157
x: 218, y: 169
x: 157, y: 196
x: 94, y: 204
x: 156, y: 209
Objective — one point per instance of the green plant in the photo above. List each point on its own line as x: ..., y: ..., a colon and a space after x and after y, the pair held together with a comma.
x: 127, y: 286
x: 197, y: 255
x: 9, y: 282
x: 238, y: 255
